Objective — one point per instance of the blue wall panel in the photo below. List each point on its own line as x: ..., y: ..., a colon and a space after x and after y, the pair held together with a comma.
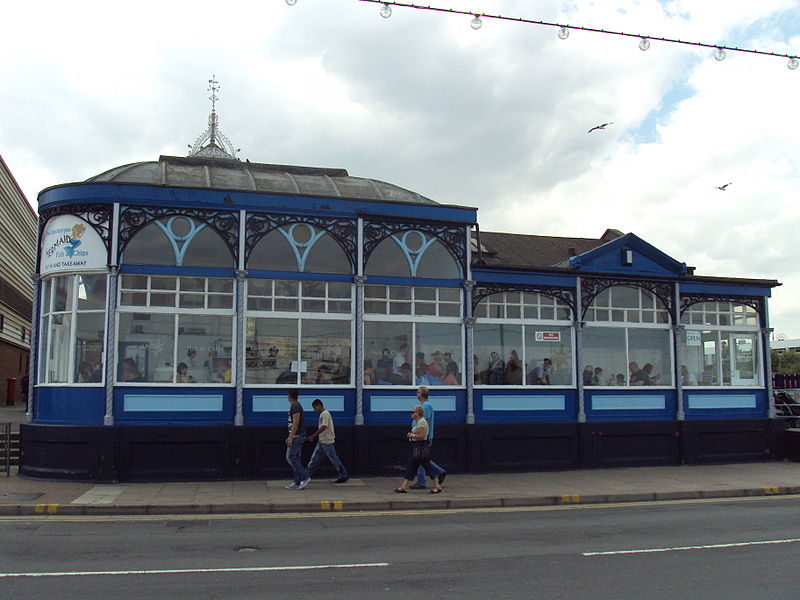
x: 70, y: 405
x: 614, y: 405
x: 394, y: 406
x: 723, y: 403
x: 535, y: 405
x: 161, y: 406
x: 271, y: 406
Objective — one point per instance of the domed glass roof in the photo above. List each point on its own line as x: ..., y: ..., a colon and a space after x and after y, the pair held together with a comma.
x: 231, y: 174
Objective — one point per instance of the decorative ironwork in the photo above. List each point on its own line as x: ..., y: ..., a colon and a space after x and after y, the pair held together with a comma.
x: 483, y: 291
x: 754, y: 302
x: 217, y: 145
x: 97, y: 215
x: 133, y: 219
x: 590, y: 288
x: 344, y: 231
x: 453, y: 238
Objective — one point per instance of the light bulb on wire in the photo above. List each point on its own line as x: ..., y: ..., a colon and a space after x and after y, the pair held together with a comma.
x: 386, y: 11
x: 563, y: 33
x: 719, y: 54
x: 291, y: 2
x: 793, y: 63
x: 476, y: 22
x: 644, y: 44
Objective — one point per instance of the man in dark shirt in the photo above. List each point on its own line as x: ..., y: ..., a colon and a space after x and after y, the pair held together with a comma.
x: 638, y: 376
x: 294, y: 442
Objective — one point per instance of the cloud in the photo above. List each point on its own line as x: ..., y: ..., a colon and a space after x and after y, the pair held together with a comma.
x: 495, y: 118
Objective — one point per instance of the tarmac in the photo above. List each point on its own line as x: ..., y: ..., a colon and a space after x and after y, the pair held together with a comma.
x: 23, y: 496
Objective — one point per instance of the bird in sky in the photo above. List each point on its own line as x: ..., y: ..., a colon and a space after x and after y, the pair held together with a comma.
x: 603, y: 126
x: 723, y: 187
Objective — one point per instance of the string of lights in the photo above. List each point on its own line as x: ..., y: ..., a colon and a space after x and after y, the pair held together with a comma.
x: 720, y: 51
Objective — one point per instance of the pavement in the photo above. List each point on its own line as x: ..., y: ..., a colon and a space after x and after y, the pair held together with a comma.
x: 23, y: 496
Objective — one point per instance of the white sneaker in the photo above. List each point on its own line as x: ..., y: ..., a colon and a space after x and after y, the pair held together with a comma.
x: 304, y: 483
x: 294, y: 486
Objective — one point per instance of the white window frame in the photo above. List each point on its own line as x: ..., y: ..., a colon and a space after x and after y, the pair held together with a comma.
x: 176, y: 312
x: 299, y: 315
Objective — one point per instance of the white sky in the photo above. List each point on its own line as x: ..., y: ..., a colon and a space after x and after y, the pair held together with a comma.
x: 494, y: 118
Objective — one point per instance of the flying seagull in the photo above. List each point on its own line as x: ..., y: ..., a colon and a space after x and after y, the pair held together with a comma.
x: 603, y: 126
x: 722, y: 187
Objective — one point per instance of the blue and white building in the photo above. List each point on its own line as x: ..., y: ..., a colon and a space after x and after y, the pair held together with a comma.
x: 178, y: 300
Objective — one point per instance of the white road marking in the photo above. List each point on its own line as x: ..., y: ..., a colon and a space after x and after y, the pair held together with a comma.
x: 100, y: 494
x: 182, y: 571
x: 705, y: 547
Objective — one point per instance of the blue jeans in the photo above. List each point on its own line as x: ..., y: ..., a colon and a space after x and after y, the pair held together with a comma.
x: 328, y: 450
x: 421, y: 471
x: 293, y: 458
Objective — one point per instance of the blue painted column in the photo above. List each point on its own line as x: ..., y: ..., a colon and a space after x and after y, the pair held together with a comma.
x: 578, y: 317
x: 360, y: 279
x: 469, y: 363
x: 241, y: 277
x: 111, y: 342
x: 33, y: 363
x: 678, y: 339
x: 766, y: 331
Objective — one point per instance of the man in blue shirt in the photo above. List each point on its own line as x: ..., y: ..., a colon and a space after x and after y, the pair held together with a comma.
x: 422, y: 397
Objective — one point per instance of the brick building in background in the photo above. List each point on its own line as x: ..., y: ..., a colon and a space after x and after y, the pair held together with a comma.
x: 18, y: 224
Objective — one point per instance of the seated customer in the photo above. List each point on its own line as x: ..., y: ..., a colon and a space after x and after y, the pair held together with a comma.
x: 638, y: 376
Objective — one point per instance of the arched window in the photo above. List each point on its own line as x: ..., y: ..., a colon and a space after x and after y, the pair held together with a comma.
x: 627, y: 340
x: 412, y: 254
x: 178, y: 241
x: 299, y: 247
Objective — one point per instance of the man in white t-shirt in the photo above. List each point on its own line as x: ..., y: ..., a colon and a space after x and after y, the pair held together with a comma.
x: 326, y: 443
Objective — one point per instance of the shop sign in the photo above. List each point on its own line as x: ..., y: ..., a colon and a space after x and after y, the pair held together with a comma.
x: 692, y: 338
x: 548, y: 336
x: 70, y: 244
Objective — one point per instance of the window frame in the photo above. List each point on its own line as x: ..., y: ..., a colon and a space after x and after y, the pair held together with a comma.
x: 299, y: 316
x: 176, y: 311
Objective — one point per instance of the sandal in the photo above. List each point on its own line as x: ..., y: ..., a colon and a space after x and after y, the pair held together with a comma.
x: 400, y: 491
x: 436, y: 491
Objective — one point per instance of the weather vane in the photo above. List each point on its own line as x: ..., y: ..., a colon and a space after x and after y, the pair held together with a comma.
x: 212, y: 143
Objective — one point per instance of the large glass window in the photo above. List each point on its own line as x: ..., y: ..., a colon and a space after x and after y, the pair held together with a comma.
x: 413, y: 336
x: 178, y: 241
x: 721, y: 345
x: 627, y: 341
x: 299, y: 247
x: 522, y: 338
x: 73, y: 320
x: 412, y: 254
x: 298, y: 332
x: 175, y: 330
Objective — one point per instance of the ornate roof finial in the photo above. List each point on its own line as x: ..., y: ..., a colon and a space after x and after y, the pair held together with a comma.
x: 217, y: 145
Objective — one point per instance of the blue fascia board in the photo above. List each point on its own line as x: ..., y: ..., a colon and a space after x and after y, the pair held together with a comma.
x: 186, y: 271
x: 299, y: 276
x: 697, y: 287
x: 413, y: 281
x: 144, y: 195
x: 525, y: 278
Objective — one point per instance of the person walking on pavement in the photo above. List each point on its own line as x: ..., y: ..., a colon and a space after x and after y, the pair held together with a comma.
x: 428, y: 414
x: 294, y: 442
x: 326, y: 443
x: 420, y: 453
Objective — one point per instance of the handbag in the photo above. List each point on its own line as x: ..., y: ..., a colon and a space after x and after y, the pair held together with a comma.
x: 420, y: 451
